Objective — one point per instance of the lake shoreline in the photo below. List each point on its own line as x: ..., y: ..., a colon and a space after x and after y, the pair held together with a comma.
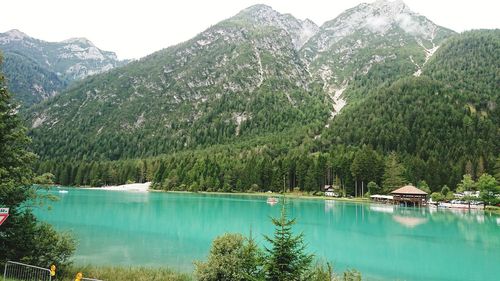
x: 293, y: 195
x: 493, y: 209
x: 146, y: 187
x: 132, y: 187
x: 266, y: 194
x: 154, y: 230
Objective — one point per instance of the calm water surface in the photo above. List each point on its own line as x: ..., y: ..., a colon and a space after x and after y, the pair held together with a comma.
x: 383, y: 242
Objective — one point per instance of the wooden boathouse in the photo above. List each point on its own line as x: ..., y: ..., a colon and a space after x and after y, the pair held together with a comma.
x: 409, y: 196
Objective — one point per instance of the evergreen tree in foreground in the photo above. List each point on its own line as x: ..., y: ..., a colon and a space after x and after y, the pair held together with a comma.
x: 286, y: 258
x: 234, y: 257
x: 22, y: 238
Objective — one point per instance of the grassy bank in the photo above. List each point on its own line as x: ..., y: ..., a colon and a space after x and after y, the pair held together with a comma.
x: 493, y: 209
x: 119, y: 273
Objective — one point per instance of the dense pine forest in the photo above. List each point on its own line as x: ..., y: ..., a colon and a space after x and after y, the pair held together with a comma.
x: 437, y: 127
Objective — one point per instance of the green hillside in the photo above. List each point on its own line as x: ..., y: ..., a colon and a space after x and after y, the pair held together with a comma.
x: 31, y: 82
x: 446, y: 121
x: 247, y: 105
x: 235, y: 80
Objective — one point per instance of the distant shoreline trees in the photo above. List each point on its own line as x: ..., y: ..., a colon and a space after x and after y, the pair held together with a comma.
x: 235, y: 170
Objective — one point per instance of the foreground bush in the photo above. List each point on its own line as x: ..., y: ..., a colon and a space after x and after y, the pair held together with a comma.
x: 232, y: 257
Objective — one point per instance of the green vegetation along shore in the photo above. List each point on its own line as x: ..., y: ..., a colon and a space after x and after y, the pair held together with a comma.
x: 121, y: 273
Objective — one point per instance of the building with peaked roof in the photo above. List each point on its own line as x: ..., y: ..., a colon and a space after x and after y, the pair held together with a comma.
x: 409, y: 196
x: 332, y: 191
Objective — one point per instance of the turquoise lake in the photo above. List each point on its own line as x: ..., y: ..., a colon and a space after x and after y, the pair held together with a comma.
x: 381, y: 241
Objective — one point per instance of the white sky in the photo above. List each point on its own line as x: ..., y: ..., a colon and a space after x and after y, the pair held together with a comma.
x: 133, y: 28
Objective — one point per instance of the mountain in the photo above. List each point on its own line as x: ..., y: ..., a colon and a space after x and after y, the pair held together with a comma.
x: 248, y: 75
x: 37, y: 69
x: 29, y: 81
x: 447, y: 119
x: 368, y: 45
x: 258, y: 96
x: 263, y: 15
x: 440, y: 125
x: 240, y: 78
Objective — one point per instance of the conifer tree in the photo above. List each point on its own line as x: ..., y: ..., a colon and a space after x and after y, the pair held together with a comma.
x: 497, y: 169
x: 286, y: 258
x: 393, y: 174
x: 21, y: 236
x: 367, y: 166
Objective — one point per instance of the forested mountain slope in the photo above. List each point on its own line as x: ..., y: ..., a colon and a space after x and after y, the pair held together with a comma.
x: 435, y: 126
x: 30, y: 82
x: 239, y: 78
x: 371, y: 44
x: 256, y: 73
x: 248, y: 102
x: 447, y: 119
x: 36, y: 69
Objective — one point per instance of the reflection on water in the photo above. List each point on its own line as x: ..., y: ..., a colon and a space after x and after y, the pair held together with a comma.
x: 329, y: 205
x: 480, y: 218
x: 465, y: 214
x: 382, y: 208
x: 384, y: 242
x: 409, y: 221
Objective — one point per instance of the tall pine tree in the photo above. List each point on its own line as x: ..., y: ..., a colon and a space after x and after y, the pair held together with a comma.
x: 21, y: 236
x: 286, y: 259
x: 393, y: 173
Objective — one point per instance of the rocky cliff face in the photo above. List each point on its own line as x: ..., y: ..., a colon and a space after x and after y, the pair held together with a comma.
x: 261, y: 15
x: 381, y: 42
x: 37, y: 69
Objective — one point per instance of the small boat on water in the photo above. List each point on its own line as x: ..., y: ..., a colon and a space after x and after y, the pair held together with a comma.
x: 63, y: 191
x: 272, y: 200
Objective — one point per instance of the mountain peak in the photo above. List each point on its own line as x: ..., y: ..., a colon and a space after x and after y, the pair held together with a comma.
x: 389, y: 7
x: 262, y: 15
x: 381, y: 17
x: 79, y: 40
x: 258, y: 8
x: 309, y: 21
x: 389, y: 3
x: 46, y: 67
x: 259, y: 13
x: 15, y: 34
